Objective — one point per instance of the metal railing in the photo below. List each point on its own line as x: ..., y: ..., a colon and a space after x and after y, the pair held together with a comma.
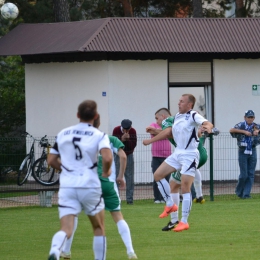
x: 219, y: 174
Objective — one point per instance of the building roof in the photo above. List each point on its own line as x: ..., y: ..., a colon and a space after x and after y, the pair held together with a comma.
x: 135, y: 35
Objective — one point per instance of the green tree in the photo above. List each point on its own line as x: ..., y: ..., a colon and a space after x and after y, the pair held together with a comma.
x: 247, y: 8
x: 12, y: 95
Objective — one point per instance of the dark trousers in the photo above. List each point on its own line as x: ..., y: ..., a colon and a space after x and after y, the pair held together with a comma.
x: 247, y: 164
x: 129, y: 176
x: 156, y: 162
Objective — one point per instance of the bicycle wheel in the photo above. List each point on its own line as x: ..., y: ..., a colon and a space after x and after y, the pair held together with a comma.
x: 24, y: 171
x: 44, y: 173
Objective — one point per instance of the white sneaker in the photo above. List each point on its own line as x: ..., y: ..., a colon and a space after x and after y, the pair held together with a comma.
x: 132, y: 256
x: 65, y: 255
x: 162, y: 201
x: 157, y: 201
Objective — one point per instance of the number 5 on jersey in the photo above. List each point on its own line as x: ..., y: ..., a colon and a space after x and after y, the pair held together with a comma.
x: 75, y: 140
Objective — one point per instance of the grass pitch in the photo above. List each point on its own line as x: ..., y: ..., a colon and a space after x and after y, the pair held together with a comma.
x: 218, y: 230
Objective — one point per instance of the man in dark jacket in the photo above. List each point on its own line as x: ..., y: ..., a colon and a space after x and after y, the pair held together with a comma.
x: 127, y: 134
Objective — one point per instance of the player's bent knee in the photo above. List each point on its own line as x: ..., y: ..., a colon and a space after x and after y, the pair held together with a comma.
x: 162, y: 172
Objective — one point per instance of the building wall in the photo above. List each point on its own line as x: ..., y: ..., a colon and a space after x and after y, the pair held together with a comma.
x: 137, y: 90
x: 233, y: 80
x: 54, y: 91
x: 133, y: 90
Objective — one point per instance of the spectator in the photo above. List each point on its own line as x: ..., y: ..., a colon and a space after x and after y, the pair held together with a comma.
x: 247, y: 134
x: 127, y: 134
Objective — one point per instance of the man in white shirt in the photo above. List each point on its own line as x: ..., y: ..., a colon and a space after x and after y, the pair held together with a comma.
x: 185, y: 157
x: 75, y: 153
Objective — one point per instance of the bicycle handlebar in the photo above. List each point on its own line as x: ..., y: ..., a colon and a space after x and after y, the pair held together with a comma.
x: 25, y: 134
x: 42, y: 140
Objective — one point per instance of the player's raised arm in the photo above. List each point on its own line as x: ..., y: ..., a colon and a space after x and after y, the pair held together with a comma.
x: 164, y: 134
x: 152, y: 130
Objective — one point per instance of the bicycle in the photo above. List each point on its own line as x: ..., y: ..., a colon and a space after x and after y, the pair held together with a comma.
x: 42, y: 172
x: 26, y: 168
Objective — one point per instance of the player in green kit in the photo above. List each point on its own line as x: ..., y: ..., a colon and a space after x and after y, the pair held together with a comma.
x: 111, y: 196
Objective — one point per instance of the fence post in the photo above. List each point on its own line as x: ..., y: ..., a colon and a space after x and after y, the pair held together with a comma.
x: 211, y: 167
x: 45, y: 198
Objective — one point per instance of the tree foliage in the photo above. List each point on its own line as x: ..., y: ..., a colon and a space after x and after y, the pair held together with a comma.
x: 12, y: 95
x: 247, y: 8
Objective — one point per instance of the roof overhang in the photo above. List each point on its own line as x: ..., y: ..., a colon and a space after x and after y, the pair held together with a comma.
x: 99, y: 56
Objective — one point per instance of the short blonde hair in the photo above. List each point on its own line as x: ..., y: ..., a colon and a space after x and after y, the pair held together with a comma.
x: 191, y: 98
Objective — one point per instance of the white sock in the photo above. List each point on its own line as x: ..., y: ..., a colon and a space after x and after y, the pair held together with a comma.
x: 124, y: 231
x: 186, y: 207
x: 176, y: 199
x: 57, y: 243
x: 99, y: 247
x: 198, y: 184
x: 165, y: 190
x: 67, y: 246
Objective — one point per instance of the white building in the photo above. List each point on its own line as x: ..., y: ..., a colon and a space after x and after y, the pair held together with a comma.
x: 134, y: 66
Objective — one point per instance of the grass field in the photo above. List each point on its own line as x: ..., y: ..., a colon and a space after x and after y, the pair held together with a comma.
x: 218, y: 230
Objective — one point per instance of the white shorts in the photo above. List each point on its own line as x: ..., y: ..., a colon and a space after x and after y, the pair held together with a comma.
x: 185, y: 161
x: 73, y: 200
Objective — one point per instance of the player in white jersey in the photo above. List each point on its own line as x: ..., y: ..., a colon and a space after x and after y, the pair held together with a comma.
x: 111, y: 197
x: 185, y: 157
x: 75, y: 153
x: 175, y: 179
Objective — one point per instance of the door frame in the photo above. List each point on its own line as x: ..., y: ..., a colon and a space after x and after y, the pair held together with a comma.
x: 195, y: 84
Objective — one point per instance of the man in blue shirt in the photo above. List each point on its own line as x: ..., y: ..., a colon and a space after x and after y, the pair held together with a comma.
x: 248, y: 137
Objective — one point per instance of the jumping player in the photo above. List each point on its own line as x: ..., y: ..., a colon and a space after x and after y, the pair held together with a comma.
x: 176, y: 176
x: 185, y: 156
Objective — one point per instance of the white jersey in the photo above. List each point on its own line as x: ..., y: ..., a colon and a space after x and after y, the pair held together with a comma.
x: 185, y: 130
x: 78, y: 147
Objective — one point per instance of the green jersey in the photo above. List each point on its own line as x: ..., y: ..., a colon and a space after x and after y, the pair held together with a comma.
x: 115, y: 145
x: 108, y: 185
x: 202, y: 151
x: 168, y: 122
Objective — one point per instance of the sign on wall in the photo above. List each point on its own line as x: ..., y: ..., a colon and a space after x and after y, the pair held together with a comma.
x: 256, y: 90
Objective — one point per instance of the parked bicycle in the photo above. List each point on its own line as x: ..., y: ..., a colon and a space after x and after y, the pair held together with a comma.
x: 38, y: 169
x: 42, y: 172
